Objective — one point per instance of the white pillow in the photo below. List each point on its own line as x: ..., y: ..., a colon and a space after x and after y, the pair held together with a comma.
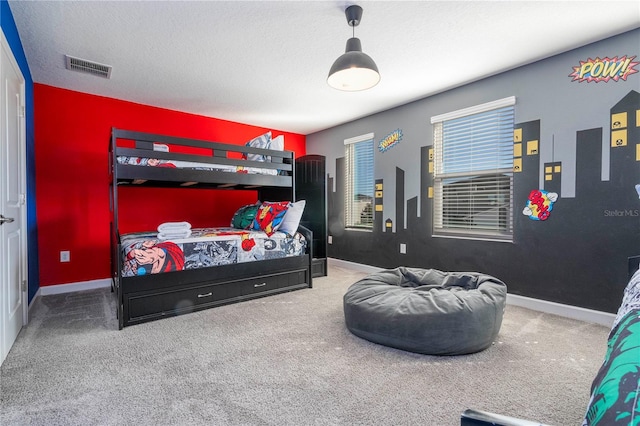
x: 292, y: 218
x: 277, y: 143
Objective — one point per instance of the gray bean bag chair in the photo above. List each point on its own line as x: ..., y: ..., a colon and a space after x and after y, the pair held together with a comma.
x: 426, y: 311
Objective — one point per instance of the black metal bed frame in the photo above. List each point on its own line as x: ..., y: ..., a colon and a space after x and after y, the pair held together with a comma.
x: 147, y: 298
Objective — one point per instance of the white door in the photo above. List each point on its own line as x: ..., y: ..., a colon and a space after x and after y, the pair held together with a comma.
x: 12, y: 201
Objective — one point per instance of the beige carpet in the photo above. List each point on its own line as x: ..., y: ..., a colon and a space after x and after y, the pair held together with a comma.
x: 282, y: 360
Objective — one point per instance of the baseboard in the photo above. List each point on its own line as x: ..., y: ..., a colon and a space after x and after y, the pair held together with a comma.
x: 352, y: 265
x: 79, y: 286
x: 31, y: 304
x: 567, y: 311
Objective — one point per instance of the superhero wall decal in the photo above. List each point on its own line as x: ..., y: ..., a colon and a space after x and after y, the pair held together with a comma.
x: 605, y: 69
x: 389, y: 141
x: 539, y: 204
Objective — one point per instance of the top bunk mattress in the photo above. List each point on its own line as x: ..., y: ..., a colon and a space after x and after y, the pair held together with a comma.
x: 148, y: 159
x: 146, y: 253
x: 191, y: 165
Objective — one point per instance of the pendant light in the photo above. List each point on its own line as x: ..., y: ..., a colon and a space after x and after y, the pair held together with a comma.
x: 354, y: 70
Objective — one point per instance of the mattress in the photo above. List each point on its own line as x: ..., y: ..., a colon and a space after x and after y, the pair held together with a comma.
x: 630, y: 298
x: 176, y: 164
x: 145, y: 253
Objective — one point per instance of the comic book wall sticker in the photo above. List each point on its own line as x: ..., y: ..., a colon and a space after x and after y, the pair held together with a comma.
x: 389, y: 141
x: 606, y: 69
x: 539, y: 204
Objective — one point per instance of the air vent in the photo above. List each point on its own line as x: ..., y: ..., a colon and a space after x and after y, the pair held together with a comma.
x: 88, y: 67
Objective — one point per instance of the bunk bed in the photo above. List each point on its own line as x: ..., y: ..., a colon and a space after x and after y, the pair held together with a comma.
x: 139, y: 159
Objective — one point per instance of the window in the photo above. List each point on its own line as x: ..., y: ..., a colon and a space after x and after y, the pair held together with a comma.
x: 359, y: 182
x: 473, y: 171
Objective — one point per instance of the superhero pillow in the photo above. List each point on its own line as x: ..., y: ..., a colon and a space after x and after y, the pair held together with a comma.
x: 269, y: 216
x: 243, y: 217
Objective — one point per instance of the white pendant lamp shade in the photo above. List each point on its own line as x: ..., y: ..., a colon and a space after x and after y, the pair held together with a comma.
x: 354, y: 70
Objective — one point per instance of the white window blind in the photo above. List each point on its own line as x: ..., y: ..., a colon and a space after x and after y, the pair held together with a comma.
x: 473, y: 171
x: 359, y: 182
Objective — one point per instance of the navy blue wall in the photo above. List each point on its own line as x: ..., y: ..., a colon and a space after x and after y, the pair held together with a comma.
x: 11, y: 34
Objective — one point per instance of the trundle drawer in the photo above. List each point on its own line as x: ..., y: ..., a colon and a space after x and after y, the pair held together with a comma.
x: 260, y: 285
x: 273, y: 282
x: 180, y: 301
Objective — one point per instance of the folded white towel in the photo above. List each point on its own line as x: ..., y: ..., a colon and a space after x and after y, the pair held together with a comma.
x: 174, y: 227
x: 174, y: 235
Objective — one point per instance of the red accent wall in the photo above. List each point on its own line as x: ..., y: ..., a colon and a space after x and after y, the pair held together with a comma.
x: 72, y: 132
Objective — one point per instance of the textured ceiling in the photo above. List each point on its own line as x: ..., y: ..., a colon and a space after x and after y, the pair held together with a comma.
x: 266, y: 62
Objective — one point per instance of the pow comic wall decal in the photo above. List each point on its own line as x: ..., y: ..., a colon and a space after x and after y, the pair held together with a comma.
x: 605, y: 69
x: 539, y: 204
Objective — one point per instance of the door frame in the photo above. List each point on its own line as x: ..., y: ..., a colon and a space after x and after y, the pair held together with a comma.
x: 22, y: 154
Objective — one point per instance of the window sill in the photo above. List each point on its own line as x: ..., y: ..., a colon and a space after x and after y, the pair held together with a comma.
x: 475, y: 238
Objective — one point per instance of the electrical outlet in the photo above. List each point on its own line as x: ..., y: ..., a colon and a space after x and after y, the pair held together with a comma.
x: 330, y: 239
x: 65, y: 256
x: 403, y: 248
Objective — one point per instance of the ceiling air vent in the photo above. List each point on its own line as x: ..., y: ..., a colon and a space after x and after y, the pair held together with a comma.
x: 89, y: 67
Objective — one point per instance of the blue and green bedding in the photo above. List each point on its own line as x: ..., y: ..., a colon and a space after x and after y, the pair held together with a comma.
x: 615, y: 392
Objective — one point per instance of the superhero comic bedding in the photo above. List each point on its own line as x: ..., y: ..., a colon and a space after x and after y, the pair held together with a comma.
x: 264, y: 141
x: 145, y: 253
x: 615, y: 391
x: 176, y: 164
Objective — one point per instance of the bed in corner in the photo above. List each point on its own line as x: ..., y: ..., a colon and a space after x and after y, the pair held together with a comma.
x: 204, y: 268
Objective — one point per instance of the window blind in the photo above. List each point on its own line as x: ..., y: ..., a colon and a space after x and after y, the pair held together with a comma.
x: 359, y: 182
x: 473, y: 174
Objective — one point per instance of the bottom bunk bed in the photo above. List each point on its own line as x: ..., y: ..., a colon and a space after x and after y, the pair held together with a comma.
x: 212, y: 267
